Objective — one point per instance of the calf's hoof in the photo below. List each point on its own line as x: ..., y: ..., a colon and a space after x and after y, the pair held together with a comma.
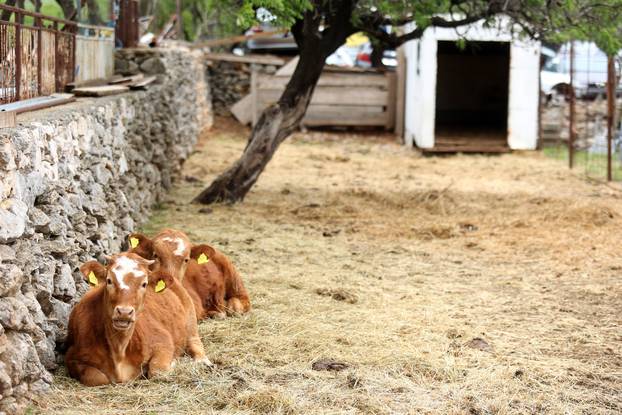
x: 218, y: 316
x: 204, y: 361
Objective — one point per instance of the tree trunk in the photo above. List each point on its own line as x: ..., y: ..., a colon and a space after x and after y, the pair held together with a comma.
x: 93, y: 12
x: 69, y: 8
x: 6, y: 15
x: 376, y: 55
x: 276, y: 123
x: 279, y: 120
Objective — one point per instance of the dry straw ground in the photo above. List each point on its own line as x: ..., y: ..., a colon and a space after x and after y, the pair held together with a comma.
x: 464, y: 284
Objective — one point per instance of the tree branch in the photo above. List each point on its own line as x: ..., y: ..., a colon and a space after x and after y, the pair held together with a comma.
x: 373, y: 23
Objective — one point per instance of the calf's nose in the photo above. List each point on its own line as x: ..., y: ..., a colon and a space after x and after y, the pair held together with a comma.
x: 124, y: 312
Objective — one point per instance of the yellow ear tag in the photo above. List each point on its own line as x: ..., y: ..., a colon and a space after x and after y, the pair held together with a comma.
x: 92, y: 279
x: 202, y: 259
x: 160, y: 286
x: 134, y: 242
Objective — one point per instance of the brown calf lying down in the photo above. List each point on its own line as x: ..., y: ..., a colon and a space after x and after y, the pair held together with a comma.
x: 132, y: 319
x: 212, y: 281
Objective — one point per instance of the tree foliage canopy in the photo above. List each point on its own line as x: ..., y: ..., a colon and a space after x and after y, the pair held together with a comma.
x: 552, y: 20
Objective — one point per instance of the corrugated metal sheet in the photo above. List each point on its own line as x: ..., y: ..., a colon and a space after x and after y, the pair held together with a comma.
x: 94, y: 53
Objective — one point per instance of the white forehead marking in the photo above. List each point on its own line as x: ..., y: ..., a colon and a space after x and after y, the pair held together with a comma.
x: 123, y: 266
x: 181, y: 245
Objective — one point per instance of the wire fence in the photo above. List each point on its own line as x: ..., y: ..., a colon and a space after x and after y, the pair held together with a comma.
x: 581, y: 125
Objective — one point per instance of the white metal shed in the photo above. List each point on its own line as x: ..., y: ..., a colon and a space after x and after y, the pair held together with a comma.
x: 483, y: 97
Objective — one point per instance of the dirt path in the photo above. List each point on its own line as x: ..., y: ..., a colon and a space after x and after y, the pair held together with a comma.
x: 464, y: 284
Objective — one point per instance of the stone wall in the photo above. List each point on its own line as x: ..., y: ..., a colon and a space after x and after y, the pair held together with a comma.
x: 74, y: 180
x: 231, y: 81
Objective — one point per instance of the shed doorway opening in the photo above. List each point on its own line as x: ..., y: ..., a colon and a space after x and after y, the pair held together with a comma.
x: 472, y: 94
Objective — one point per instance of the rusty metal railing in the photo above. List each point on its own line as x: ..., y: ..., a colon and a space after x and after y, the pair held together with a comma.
x: 37, y: 54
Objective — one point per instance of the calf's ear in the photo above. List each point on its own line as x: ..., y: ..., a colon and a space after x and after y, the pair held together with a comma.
x: 160, y: 281
x: 202, y: 253
x: 139, y: 244
x: 93, y: 272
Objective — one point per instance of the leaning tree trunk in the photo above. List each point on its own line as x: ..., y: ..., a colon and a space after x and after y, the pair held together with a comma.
x: 276, y: 123
x: 279, y: 120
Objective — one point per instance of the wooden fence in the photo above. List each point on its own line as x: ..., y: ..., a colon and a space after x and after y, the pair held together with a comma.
x: 342, y: 97
x: 37, y: 54
x: 94, y: 53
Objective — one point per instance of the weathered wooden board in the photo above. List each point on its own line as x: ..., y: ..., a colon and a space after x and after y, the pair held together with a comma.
x: 38, y: 103
x: 100, y: 91
x: 391, y: 101
x: 127, y: 79
x: 288, y: 69
x: 341, y: 98
x: 7, y: 119
x: 243, y: 110
x: 339, y: 119
x: 400, y: 94
x: 233, y: 39
x: 143, y: 83
x: 258, y: 59
x: 347, y: 109
x: 331, y: 95
x: 328, y: 79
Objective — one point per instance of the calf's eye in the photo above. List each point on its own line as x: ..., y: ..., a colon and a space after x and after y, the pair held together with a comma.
x: 109, y: 281
x: 187, y: 259
x: 144, y: 285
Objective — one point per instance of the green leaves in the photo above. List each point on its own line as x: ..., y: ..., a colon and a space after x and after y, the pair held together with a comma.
x: 551, y: 20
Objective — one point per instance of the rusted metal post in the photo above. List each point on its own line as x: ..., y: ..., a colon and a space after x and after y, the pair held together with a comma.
x: 611, y: 104
x: 18, y: 55
x: 57, y: 65
x: 39, y: 25
x: 572, y: 108
x: 73, y: 37
x: 539, y: 142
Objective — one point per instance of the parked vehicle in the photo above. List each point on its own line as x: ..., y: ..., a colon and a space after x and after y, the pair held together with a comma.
x: 364, y: 60
x: 278, y: 43
x: 590, y: 70
x: 355, y: 52
x: 552, y: 79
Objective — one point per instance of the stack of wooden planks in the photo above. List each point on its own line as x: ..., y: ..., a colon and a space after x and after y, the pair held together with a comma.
x: 100, y: 88
x: 342, y: 97
x: 115, y: 85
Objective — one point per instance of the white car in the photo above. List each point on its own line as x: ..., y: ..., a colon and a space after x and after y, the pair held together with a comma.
x: 552, y: 78
x: 590, y: 66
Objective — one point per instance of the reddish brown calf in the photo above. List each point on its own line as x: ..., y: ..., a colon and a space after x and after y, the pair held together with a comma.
x: 132, y: 320
x: 210, y: 278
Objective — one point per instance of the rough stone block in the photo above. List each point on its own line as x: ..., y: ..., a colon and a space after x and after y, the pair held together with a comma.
x: 72, y: 186
x: 13, y: 216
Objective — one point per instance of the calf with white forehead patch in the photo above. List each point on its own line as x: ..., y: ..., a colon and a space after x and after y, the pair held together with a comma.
x: 210, y: 278
x: 132, y: 321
